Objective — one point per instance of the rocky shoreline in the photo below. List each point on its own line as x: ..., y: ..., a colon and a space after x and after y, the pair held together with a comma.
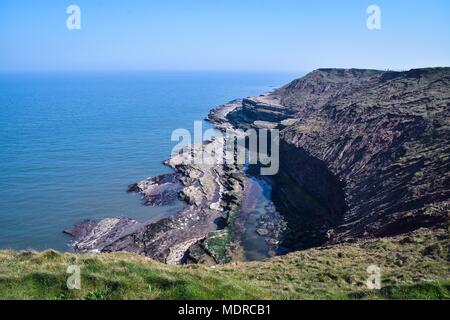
x: 213, y: 192
x: 363, y: 154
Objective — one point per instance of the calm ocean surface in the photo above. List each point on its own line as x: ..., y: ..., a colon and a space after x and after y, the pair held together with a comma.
x: 70, y: 144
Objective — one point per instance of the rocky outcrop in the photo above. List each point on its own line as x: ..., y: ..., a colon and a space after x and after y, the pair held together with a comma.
x: 160, y: 190
x: 92, y: 236
x: 363, y: 154
x: 370, y: 150
x: 211, y: 190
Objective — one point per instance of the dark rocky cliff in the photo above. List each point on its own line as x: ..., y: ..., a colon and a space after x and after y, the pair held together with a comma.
x: 364, y: 153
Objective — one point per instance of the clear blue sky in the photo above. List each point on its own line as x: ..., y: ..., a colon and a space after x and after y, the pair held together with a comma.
x: 277, y: 35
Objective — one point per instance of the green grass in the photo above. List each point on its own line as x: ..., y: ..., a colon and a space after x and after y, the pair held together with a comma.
x: 217, y: 244
x: 414, y: 266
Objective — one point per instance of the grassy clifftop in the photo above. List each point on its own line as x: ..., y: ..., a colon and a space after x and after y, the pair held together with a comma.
x: 412, y: 266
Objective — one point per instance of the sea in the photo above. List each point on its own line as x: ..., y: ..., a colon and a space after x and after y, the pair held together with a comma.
x: 72, y: 142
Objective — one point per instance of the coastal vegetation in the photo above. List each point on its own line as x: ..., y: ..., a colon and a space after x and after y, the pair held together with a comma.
x: 413, y: 266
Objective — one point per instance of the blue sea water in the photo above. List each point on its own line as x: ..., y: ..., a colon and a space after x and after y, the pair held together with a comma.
x: 71, y: 143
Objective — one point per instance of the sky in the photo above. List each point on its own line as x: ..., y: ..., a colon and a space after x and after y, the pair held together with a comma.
x: 244, y: 35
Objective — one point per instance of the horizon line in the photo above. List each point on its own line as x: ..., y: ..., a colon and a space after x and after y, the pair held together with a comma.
x: 187, y: 70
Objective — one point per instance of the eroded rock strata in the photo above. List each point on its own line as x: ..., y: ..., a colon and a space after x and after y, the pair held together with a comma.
x: 363, y: 154
x: 212, y: 190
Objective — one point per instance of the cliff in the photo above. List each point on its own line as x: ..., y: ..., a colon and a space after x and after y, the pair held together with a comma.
x: 369, y: 150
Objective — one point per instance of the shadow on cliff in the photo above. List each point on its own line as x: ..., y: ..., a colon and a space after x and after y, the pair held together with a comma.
x: 310, y: 198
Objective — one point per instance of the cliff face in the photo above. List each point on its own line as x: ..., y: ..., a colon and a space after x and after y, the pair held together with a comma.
x: 370, y: 148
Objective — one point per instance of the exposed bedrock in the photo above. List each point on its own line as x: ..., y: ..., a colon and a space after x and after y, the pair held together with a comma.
x: 210, y: 189
x: 309, y: 196
x: 378, y: 140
